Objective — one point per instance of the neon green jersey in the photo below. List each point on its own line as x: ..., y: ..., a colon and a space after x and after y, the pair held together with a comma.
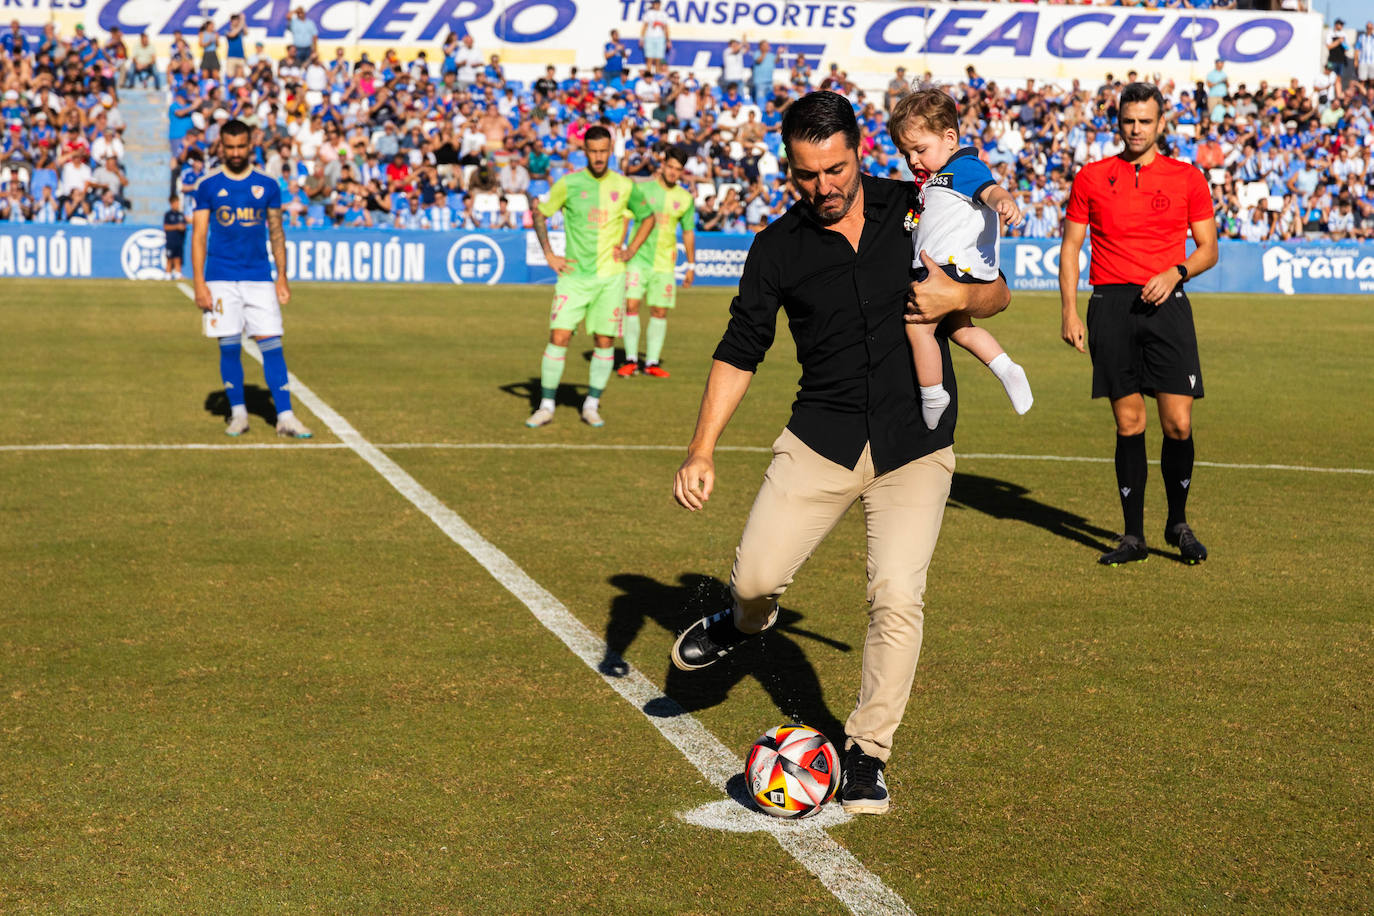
x: 594, y: 214
x: 672, y: 207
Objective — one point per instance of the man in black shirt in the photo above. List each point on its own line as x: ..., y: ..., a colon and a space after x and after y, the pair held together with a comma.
x: 838, y: 263
x: 546, y: 85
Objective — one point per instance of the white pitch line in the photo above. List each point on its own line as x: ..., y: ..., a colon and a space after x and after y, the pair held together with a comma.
x: 998, y: 456
x: 569, y: 446
x: 171, y: 447
x: 842, y: 874
x: 613, y: 447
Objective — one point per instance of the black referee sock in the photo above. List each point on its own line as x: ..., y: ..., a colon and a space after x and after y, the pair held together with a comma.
x: 1131, y: 472
x: 1176, y: 463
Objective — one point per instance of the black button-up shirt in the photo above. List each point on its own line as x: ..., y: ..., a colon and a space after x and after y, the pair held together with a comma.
x: 844, y: 308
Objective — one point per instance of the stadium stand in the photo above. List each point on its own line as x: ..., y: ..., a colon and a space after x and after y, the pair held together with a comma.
x: 447, y: 141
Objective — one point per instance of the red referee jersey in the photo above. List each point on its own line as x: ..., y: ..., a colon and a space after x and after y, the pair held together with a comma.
x: 1138, y: 217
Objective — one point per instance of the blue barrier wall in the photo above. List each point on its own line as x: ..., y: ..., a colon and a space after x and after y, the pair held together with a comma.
x: 352, y: 256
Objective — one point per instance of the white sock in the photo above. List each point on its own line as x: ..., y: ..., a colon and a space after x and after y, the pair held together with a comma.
x: 591, y: 403
x: 546, y: 403
x: 934, y: 400
x: 238, y: 410
x: 1013, y: 379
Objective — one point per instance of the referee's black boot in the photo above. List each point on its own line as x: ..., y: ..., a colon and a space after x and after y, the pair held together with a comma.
x: 1190, y: 549
x: 709, y: 640
x: 1130, y: 549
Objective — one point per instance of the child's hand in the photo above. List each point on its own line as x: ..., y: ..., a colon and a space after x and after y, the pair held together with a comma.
x: 1010, y: 213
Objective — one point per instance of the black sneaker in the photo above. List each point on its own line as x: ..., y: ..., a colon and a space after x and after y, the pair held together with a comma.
x: 1189, y: 547
x: 1130, y: 549
x: 708, y: 641
x: 863, y: 790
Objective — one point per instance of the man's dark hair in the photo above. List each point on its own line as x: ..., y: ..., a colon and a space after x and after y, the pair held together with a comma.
x: 676, y: 155
x: 235, y: 128
x: 597, y: 132
x: 1141, y: 92
x: 818, y: 116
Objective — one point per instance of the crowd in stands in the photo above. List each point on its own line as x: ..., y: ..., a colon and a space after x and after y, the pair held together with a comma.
x: 62, y: 152
x: 451, y: 142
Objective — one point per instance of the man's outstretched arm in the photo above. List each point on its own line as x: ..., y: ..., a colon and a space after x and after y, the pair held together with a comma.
x: 725, y: 388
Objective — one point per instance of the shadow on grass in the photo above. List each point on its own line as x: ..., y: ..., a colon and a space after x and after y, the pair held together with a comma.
x: 567, y: 396
x: 1003, y: 499
x: 1171, y: 557
x: 775, y: 659
x: 258, y: 400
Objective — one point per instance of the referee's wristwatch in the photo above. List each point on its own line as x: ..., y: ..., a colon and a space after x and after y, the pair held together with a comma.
x: 1182, y: 272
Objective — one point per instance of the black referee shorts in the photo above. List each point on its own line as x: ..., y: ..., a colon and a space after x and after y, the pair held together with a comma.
x: 1137, y: 348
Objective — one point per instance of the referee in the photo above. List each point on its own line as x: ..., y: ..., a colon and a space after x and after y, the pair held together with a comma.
x: 1141, y: 206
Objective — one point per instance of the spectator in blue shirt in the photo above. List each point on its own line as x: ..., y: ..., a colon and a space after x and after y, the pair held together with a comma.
x: 1306, y: 179
x: 1217, y: 81
x: 13, y: 41
x: 107, y: 209
x: 1040, y: 224
x: 494, y: 72
x: 304, y: 35
x: 617, y: 109
x: 1290, y: 140
x: 765, y: 63
x: 235, y: 58
x: 15, y: 206
x: 43, y: 175
x: 615, y: 54
x: 12, y: 109
x: 192, y: 174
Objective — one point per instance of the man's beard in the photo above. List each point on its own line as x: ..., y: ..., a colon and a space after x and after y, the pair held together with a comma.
x: 844, y: 199
x: 236, y: 164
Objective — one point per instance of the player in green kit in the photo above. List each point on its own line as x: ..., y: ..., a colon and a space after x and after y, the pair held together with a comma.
x: 651, y: 274
x: 591, y: 274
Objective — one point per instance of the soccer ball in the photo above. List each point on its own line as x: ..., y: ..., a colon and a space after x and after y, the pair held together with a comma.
x: 792, y: 771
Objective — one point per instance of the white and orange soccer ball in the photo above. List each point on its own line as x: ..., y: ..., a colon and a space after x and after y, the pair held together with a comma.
x: 792, y: 771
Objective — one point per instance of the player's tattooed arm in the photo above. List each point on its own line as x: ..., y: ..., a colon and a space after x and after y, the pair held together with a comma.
x: 541, y: 232
x: 276, y: 236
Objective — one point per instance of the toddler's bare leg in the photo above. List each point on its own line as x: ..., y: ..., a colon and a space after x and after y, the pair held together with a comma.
x: 930, y: 372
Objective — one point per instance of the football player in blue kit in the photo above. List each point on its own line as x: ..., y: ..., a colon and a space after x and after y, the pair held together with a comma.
x: 237, y: 211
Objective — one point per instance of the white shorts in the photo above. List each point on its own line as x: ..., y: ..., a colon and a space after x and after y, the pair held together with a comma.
x: 242, y: 305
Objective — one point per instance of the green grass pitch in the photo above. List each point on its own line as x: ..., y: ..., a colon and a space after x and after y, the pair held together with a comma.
x: 252, y: 680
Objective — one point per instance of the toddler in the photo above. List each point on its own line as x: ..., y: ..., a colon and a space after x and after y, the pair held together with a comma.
x: 958, y: 226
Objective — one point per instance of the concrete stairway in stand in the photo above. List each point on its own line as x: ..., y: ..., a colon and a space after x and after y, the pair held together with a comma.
x: 147, y: 159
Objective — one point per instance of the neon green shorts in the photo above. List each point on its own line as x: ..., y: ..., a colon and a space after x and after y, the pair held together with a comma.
x: 656, y: 287
x: 599, y: 301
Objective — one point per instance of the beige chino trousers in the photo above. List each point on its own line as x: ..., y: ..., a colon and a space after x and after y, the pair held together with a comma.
x: 802, y: 498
